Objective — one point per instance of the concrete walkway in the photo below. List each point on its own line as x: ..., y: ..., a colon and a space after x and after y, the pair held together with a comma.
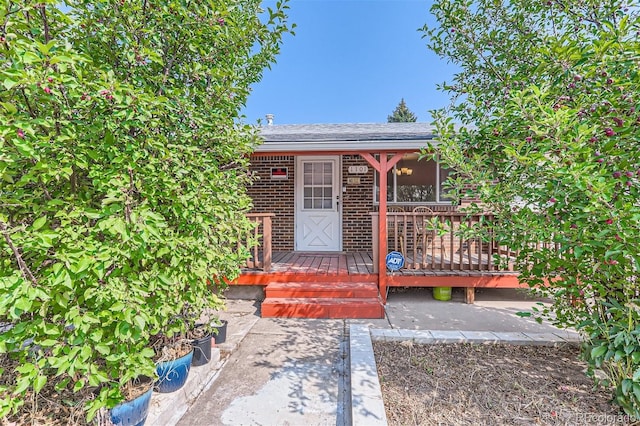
x: 299, y: 372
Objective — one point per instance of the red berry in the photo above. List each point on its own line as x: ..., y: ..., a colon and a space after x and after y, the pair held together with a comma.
x: 609, y: 131
x: 50, y: 79
x: 617, y: 174
x: 552, y: 200
x: 20, y: 133
x: 47, y: 90
x: 628, y: 183
x: 528, y: 139
x: 629, y: 174
x: 609, y: 221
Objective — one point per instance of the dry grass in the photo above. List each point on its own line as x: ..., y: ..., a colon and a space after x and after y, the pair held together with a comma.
x: 464, y: 384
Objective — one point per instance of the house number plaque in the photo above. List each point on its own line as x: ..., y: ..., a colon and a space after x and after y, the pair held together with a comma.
x: 358, y: 169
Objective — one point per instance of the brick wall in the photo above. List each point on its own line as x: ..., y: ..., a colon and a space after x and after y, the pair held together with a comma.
x: 357, y: 203
x: 275, y: 196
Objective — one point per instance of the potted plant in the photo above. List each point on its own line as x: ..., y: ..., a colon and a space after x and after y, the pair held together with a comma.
x: 204, y: 334
x: 220, y: 334
x: 134, y: 409
x: 173, y: 361
x: 202, y: 337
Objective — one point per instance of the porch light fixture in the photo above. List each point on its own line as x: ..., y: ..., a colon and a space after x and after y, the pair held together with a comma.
x: 404, y: 171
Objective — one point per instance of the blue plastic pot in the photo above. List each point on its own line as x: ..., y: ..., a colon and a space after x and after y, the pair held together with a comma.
x: 172, y: 375
x: 132, y: 413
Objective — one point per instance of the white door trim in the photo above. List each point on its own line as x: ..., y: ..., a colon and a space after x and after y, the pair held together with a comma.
x: 328, y: 220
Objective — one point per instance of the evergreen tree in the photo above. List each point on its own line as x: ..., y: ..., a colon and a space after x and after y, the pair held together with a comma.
x: 402, y: 114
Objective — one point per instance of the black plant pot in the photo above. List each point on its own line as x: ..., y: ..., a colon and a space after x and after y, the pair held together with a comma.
x: 201, y: 351
x: 221, y: 336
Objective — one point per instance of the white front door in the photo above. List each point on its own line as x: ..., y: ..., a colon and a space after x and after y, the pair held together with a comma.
x: 318, y: 226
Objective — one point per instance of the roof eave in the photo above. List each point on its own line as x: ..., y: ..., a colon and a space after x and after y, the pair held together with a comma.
x: 343, y: 145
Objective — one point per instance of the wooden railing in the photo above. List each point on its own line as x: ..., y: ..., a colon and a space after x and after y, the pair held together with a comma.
x: 442, y: 241
x: 261, y: 253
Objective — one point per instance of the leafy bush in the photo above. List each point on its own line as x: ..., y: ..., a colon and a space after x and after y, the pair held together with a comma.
x: 123, y: 164
x: 545, y: 129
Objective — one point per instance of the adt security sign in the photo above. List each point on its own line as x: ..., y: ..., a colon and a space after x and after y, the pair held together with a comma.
x: 395, y: 260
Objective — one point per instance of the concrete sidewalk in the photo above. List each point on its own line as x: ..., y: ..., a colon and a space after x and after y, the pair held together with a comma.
x: 297, y: 371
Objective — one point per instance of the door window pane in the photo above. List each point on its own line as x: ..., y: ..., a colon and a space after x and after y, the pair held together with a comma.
x: 318, y: 185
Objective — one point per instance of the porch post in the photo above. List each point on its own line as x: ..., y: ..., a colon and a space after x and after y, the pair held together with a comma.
x: 382, y: 167
x: 382, y: 228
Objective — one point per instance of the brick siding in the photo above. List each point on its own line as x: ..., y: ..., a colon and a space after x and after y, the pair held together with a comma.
x: 357, y: 204
x: 275, y: 196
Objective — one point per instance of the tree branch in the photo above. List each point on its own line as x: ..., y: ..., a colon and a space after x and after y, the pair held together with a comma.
x: 26, y: 272
x: 43, y: 14
x: 26, y: 100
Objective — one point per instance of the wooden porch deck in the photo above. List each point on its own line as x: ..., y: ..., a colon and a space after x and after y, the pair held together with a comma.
x: 359, y: 267
x: 307, y: 266
x: 334, y: 273
x: 322, y: 263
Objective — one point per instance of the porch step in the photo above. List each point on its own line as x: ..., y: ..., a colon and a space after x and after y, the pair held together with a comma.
x: 322, y: 289
x: 322, y: 307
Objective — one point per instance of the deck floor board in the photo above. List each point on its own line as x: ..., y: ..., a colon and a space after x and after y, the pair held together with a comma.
x: 361, y: 263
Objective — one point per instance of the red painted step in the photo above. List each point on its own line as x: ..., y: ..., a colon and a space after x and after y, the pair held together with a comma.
x: 322, y: 307
x: 322, y: 289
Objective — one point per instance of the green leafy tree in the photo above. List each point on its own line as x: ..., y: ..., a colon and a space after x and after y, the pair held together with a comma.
x: 545, y: 126
x: 402, y: 114
x: 123, y: 164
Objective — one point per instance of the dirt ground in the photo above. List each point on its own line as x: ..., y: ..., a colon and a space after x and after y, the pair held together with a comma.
x: 464, y: 384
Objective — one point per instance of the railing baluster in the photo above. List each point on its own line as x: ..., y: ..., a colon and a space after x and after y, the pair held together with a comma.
x: 255, y: 248
x: 263, y: 221
x: 267, y: 253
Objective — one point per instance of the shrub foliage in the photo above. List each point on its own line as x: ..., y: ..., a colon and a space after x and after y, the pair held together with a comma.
x: 545, y: 127
x: 123, y: 163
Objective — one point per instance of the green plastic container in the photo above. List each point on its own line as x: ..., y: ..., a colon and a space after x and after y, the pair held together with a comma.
x: 442, y: 293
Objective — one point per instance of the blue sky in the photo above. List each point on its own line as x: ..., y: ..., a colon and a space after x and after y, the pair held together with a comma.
x: 351, y: 61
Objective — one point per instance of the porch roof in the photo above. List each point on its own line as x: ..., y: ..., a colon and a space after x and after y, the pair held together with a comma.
x: 345, y: 137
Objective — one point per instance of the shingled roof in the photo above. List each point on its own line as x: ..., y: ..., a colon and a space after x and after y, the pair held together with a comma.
x: 345, y: 137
